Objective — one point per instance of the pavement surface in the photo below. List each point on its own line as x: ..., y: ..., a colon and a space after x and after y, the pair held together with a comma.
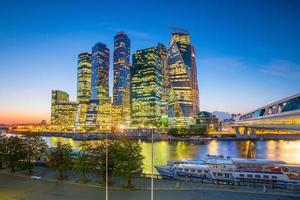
x: 20, y: 188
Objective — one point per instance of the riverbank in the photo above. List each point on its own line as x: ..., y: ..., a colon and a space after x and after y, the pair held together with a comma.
x: 9, y: 181
x: 159, y: 137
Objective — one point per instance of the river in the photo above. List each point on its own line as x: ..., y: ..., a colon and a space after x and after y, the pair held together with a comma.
x: 286, y: 150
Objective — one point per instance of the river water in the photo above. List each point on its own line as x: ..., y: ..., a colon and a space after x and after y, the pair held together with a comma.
x: 288, y: 151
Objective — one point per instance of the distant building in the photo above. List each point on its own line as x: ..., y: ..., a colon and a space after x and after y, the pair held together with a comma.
x: 121, y: 91
x: 83, y: 88
x: 99, y: 109
x: 182, y: 75
x: 146, y: 87
x: 206, y: 119
x: 63, y: 111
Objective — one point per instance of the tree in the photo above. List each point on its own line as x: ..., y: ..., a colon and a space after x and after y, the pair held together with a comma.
x: 60, y: 158
x: 14, y: 152
x: 83, y: 160
x: 3, y: 141
x: 99, y: 159
x: 34, y: 148
x: 129, y: 160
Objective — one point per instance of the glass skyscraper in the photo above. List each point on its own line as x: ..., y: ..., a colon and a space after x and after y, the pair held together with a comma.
x: 121, y: 92
x: 83, y: 88
x: 146, y: 87
x: 99, y: 86
x: 84, y: 77
x: 182, y: 77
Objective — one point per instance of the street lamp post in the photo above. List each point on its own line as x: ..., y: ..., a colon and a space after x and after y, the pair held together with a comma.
x: 106, y: 166
x: 152, y: 183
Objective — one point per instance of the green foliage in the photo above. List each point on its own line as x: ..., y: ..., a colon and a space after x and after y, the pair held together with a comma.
x: 128, y: 159
x: 34, y: 148
x: 60, y: 158
x: 83, y: 162
x: 184, y: 132
x: 3, y: 141
x: 99, y: 159
x: 124, y: 159
x: 14, y: 152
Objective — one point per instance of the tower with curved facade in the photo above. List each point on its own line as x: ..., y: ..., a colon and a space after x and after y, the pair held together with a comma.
x: 182, y: 77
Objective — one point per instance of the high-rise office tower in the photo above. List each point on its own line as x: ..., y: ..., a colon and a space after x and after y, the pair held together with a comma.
x: 121, y: 92
x: 146, y: 87
x: 100, y: 69
x: 182, y: 76
x: 84, y: 77
x: 99, y: 101
x: 83, y: 88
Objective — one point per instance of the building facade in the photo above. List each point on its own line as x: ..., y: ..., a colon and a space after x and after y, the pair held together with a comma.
x: 182, y: 77
x: 121, y: 83
x: 63, y: 111
x: 83, y: 88
x: 146, y: 88
x: 98, y: 113
x: 206, y: 120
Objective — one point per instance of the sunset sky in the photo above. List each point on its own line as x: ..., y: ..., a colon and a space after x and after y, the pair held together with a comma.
x: 248, y: 52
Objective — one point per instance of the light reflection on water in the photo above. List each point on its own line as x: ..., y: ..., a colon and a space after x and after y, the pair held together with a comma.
x: 288, y: 151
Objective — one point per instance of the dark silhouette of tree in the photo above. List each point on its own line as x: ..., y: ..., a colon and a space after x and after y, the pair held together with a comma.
x: 83, y: 162
x: 128, y: 160
x: 3, y: 141
x: 14, y: 152
x: 60, y: 158
x: 34, y: 148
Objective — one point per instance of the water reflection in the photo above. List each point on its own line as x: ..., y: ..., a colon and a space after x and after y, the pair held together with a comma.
x: 164, y: 151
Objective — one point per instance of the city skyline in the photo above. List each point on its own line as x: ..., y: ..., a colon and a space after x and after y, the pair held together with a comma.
x: 249, y: 79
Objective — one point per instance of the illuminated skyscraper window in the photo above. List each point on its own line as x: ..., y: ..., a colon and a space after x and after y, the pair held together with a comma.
x: 182, y: 76
x: 146, y: 87
x: 121, y: 92
x: 99, y: 104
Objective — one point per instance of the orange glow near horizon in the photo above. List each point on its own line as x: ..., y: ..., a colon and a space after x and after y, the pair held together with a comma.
x: 23, y: 118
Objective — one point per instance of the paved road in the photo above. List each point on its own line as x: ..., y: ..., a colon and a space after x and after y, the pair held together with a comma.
x: 17, y: 188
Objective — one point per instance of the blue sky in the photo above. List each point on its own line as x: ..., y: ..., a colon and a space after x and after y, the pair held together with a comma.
x: 248, y: 52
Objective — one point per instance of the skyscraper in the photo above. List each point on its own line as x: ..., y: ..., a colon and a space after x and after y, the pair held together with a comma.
x: 83, y: 88
x: 99, y: 101
x: 121, y: 90
x: 100, y: 69
x: 182, y: 75
x: 84, y: 77
x: 146, y: 87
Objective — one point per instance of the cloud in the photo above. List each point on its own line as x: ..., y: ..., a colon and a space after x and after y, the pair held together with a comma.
x: 283, y: 68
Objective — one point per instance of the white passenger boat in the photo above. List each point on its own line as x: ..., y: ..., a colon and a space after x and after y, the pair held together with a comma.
x: 220, y: 168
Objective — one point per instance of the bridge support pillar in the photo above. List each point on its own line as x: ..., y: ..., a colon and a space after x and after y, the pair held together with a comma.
x: 237, y: 132
x: 253, y: 133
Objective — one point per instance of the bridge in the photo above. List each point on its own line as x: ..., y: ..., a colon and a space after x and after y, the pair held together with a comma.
x: 280, y: 115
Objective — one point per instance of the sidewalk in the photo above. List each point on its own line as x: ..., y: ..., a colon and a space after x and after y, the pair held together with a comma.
x: 145, y: 183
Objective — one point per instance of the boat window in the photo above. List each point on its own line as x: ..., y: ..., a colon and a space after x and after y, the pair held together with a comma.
x: 266, y: 176
x: 180, y: 169
x: 199, y: 171
x: 205, y: 171
x: 249, y: 175
x: 274, y: 177
x: 242, y: 175
x: 220, y: 174
x: 257, y: 176
x: 186, y: 170
x: 192, y: 170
